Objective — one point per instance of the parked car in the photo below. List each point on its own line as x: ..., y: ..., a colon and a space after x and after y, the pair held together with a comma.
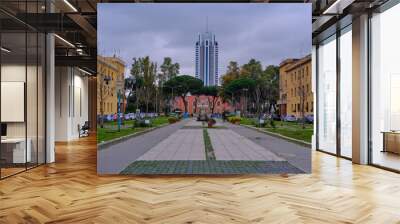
x: 309, y: 119
x: 290, y: 118
x: 275, y: 117
x: 109, y: 117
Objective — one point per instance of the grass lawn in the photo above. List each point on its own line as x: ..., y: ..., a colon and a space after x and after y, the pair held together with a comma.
x: 288, y: 129
x: 106, y: 134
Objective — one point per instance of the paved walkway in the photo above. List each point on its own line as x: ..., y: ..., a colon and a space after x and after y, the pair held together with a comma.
x: 115, y: 158
x: 197, y: 124
x: 194, y: 123
x: 298, y: 156
x: 181, y: 146
x: 229, y: 145
x: 184, y: 144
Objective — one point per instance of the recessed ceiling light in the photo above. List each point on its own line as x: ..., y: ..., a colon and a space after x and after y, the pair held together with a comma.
x: 5, y: 50
x: 86, y: 72
x: 64, y: 40
x: 70, y: 5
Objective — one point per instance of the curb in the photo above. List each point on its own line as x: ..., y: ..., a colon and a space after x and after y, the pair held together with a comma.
x: 106, y: 144
x: 296, y: 141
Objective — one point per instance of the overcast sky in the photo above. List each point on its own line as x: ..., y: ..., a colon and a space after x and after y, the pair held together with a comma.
x: 269, y: 33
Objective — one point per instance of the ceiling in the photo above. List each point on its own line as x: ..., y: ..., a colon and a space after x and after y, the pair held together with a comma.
x: 75, y: 21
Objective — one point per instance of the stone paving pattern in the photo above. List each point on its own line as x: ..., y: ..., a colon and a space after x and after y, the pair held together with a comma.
x: 185, y: 144
x: 179, y: 149
x: 194, y: 123
x: 229, y: 145
x: 297, y: 155
x: 210, y: 167
x: 114, y: 158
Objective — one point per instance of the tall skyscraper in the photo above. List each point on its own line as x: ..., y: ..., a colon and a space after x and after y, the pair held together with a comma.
x: 207, y: 59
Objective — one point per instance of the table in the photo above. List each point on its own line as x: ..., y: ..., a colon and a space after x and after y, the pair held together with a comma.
x: 13, y: 150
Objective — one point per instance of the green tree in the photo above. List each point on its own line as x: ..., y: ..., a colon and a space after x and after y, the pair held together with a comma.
x: 233, y: 72
x: 212, y: 93
x: 236, y: 87
x: 168, y: 69
x: 271, y: 90
x: 131, y: 85
x: 253, y: 69
x: 182, y: 85
x: 144, y: 71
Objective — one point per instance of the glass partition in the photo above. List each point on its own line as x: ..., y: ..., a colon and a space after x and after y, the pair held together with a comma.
x: 346, y: 92
x: 22, y: 101
x: 385, y: 89
x: 14, y: 153
x: 327, y: 95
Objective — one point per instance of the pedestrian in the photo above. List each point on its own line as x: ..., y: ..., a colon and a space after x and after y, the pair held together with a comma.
x: 223, y: 116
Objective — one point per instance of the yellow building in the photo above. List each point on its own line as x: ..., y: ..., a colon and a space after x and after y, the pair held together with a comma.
x: 295, y: 93
x: 110, y: 81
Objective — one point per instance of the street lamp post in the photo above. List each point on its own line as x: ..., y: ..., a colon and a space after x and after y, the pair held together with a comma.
x: 172, y: 95
x: 245, y: 101
x: 119, y: 110
x: 103, y: 82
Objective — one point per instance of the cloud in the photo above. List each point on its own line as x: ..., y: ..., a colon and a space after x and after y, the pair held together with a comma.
x: 267, y: 32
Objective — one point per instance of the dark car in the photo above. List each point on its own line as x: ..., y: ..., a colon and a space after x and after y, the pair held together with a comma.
x: 309, y: 119
x: 275, y: 117
x: 290, y: 118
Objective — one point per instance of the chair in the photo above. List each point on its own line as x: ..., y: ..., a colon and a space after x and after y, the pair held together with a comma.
x: 84, y: 130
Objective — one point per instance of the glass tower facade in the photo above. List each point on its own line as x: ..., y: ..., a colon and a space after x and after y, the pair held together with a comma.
x: 207, y: 59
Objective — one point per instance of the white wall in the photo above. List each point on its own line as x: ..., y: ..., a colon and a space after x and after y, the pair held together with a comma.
x: 15, y: 73
x: 71, y: 102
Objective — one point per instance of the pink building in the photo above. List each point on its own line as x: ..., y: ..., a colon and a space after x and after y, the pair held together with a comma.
x: 196, y: 104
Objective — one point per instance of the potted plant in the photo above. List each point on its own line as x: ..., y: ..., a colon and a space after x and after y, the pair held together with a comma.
x: 235, y: 120
x: 211, y: 122
x: 172, y: 120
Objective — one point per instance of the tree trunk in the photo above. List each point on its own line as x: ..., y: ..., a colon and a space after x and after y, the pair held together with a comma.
x: 137, y: 98
x: 195, y: 104
x: 184, y: 103
x: 213, y: 104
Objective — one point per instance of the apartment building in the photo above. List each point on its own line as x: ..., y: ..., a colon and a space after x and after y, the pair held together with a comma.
x: 110, y: 84
x: 295, y: 90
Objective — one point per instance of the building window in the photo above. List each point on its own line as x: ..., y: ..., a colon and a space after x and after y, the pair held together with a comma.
x: 327, y: 95
x: 346, y: 92
x: 385, y: 88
